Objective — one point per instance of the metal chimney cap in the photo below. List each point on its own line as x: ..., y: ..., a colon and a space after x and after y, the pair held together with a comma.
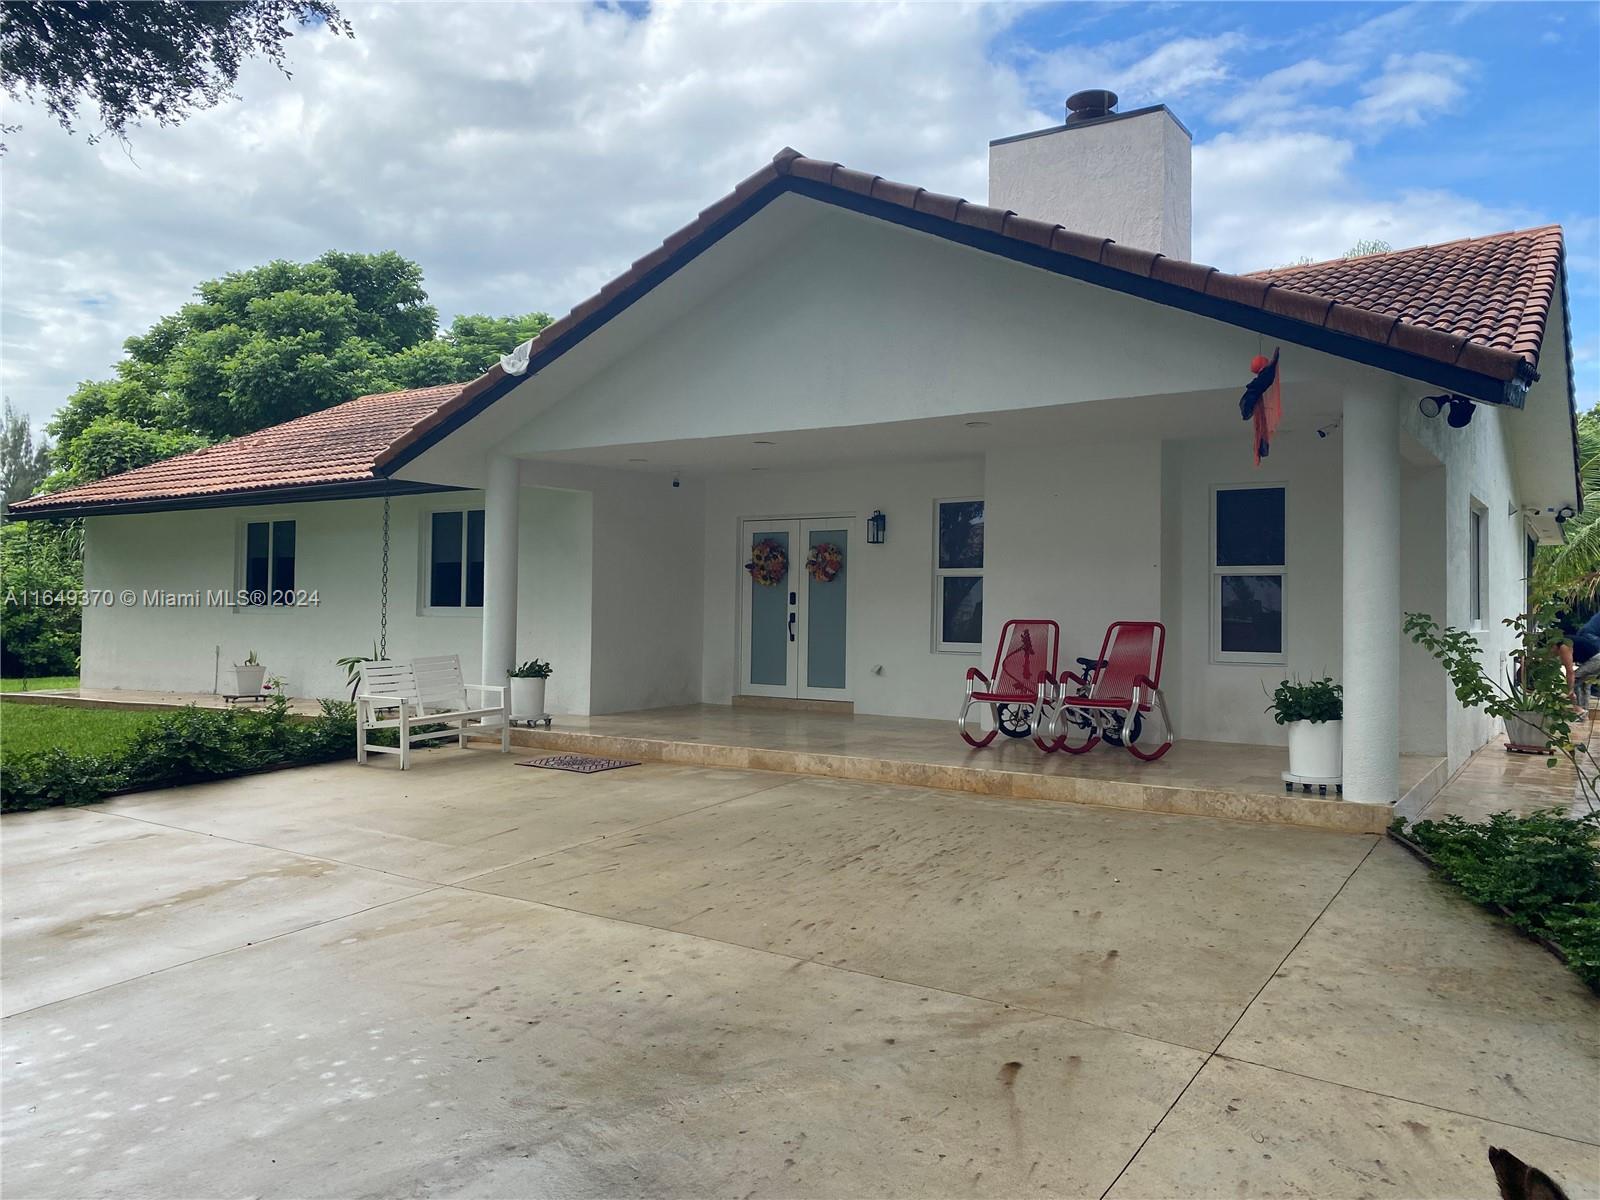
x: 1090, y: 105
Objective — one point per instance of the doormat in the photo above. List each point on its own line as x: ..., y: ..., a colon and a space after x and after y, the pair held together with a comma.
x: 583, y: 764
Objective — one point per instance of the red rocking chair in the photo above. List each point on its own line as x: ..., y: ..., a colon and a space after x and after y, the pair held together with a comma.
x: 1024, y: 668
x: 1109, y: 701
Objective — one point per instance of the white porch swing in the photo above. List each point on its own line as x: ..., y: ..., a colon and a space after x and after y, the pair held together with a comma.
x: 425, y: 691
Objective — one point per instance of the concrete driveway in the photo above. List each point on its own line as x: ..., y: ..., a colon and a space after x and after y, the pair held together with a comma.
x: 480, y: 979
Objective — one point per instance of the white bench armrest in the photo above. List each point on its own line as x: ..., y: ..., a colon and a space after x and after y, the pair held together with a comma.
x: 385, y: 701
x: 486, y: 688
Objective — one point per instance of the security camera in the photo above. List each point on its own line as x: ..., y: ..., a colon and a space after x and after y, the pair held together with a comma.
x: 676, y: 482
x: 1565, y: 513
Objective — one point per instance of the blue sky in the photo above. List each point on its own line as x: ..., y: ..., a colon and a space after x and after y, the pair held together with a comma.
x: 524, y: 154
x: 1497, y: 104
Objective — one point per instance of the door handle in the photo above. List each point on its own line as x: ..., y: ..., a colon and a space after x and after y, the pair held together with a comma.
x: 791, y: 627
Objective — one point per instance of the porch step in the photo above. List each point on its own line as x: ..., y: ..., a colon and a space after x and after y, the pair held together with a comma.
x: 1313, y: 812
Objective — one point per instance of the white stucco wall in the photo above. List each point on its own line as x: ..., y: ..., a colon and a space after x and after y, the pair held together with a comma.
x: 877, y: 324
x: 890, y: 615
x: 643, y: 550
x: 339, y: 554
x: 1074, y: 534
x: 1477, y: 466
x: 1226, y: 701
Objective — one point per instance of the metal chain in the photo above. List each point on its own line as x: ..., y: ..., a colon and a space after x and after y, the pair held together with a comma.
x: 383, y: 603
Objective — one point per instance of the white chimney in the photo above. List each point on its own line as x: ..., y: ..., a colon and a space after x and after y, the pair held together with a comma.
x: 1123, y: 176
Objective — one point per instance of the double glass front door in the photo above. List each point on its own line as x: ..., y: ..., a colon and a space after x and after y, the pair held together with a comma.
x: 794, y: 589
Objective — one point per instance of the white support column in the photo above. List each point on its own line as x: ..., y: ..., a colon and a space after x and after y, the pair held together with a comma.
x: 500, y: 508
x: 1371, y: 435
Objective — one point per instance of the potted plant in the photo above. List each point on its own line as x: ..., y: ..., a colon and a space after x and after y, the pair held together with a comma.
x: 527, y: 690
x: 1524, y: 718
x: 248, y: 675
x: 1314, y: 714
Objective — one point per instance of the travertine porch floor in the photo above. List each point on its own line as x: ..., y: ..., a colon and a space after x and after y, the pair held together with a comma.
x: 1202, y: 778
x: 1196, y: 778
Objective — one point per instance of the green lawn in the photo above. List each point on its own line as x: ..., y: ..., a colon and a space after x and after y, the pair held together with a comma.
x: 41, y: 684
x: 26, y: 727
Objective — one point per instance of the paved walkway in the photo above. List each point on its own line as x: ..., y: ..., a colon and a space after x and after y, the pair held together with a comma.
x: 481, y: 979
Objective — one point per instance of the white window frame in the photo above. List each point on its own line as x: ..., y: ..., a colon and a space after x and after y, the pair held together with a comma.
x: 241, y: 562
x: 425, y: 565
x: 1218, y: 654
x: 1477, y: 563
x: 941, y: 646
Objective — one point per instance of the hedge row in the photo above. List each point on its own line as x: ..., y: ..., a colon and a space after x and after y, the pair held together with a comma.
x: 187, y: 745
x: 1539, y: 870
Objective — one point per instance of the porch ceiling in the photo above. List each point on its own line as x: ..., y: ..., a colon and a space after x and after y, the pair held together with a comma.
x: 1069, y: 426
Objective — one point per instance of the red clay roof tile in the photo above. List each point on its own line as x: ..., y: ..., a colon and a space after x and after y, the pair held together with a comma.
x: 337, y: 445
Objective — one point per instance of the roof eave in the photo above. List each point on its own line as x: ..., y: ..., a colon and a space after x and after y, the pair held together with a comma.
x: 40, y: 509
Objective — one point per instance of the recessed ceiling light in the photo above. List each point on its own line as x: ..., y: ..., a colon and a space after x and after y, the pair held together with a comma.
x: 638, y: 460
x: 758, y: 468
x: 760, y: 442
x: 977, y: 424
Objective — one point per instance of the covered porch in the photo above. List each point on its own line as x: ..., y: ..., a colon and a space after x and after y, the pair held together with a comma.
x: 1087, y: 518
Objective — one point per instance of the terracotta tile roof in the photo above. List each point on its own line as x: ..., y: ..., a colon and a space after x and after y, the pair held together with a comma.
x: 1495, y: 291
x: 338, y: 445
x: 1479, y: 305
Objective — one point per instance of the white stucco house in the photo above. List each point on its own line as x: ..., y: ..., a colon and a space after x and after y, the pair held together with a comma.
x: 1040, y: 396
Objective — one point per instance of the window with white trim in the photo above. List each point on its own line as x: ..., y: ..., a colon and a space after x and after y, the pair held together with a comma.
x: 1248, y: 555
x: 1478, y: 555
x: 958, y: 575
x: 452, y: 559
x: 267, y: 554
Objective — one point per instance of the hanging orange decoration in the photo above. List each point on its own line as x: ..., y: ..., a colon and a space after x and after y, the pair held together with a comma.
x: 1262, y: 402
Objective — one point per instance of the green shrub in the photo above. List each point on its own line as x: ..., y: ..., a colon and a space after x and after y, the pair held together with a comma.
x: 186, y: 745
x: 1317, y: 701
x: 1541, y: 868
x: 55, y: 777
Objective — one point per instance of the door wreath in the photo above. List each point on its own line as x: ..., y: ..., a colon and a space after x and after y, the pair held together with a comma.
x: 768, y: 564
x: 824, y: 562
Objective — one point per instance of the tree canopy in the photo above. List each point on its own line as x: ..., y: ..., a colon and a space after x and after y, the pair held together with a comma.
x: 154, y: 59
x: 262, y: 346
x: 23, y: 462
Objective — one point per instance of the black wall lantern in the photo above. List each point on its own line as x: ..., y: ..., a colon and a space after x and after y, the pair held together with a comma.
x: 877, y: 526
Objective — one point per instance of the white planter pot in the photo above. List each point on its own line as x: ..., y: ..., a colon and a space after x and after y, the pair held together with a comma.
x: 1525, y: 732
x: 1315, y: 749
x: 527, y: 698
x: 247, y: 680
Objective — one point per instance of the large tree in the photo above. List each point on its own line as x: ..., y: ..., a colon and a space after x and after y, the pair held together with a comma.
x: 23, y: 462
x: 265, y: 345
x: 157, y: 60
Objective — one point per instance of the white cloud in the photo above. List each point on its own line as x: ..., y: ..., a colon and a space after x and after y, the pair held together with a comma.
x: 522, y: 153
x: 1141, y: 71
x: 1413, y: 88
x: 1264, y: 201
